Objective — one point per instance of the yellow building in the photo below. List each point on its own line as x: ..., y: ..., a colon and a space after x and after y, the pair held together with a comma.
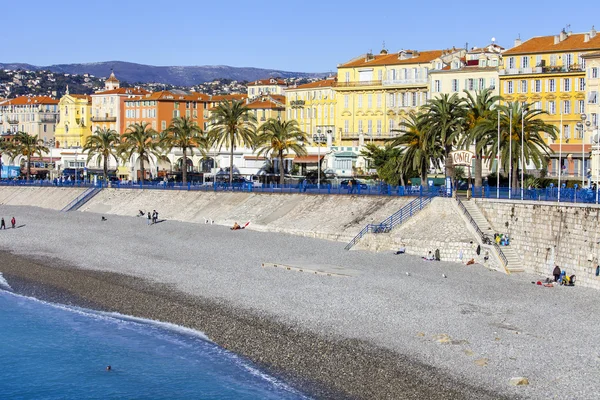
x: 550, y: 72
x: 592, y: 88
x: 74, y: 124
x: 313, y: 106
x: 375, y: 92
x: 267, y: 107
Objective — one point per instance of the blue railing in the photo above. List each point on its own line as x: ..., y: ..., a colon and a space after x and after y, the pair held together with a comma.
x: 82, y: 199
x: 567, y: 195
x: 397, y: 218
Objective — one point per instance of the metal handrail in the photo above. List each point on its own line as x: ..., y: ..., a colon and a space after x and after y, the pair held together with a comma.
x: 480, y: 232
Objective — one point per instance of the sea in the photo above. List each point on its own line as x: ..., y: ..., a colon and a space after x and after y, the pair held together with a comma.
x: 52, y: 351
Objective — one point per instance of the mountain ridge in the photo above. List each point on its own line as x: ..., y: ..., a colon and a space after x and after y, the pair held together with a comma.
x: 174, y: 75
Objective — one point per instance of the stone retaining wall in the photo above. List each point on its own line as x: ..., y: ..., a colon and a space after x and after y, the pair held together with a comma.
x: 546, y: 234
x: 54, y: 198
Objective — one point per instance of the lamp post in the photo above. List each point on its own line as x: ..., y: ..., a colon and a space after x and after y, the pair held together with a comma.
x: 582, y: 125
x: 319, y: 138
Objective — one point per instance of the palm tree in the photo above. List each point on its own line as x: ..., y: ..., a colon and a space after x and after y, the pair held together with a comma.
x: 232, y: 124
x: 103, y: 145
x: 28, y: 145
x: 185, y: 134
x: 479, y: 108
x: 444, y: 119
x: 280, y: 138
x: 421, y: 147
x: 514, y: 116
x: 139, y: 139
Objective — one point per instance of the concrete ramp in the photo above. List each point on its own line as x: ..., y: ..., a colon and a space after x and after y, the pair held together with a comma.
x: 333, y: 217
x: 54, y: 198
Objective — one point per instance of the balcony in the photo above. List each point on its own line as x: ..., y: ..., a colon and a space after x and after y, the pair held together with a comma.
x: 541, y: 70
x: 400, y: 82
x: 48, y: 118
x: 358, y: 84
x: 104, y: 119
x: 370, y: 136
x: 12, y: 121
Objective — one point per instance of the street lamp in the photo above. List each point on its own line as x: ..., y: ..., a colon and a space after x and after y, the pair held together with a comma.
x: 319, y: 138
x: 582, y: 125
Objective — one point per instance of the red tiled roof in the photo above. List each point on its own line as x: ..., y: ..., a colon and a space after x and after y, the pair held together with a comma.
x: 228, y: 97
x: 266, y: 104
x: 125, y: 91
x: 392, y: 59
x: 82, y: 97
x: 25, y: 100
x: 329, y: 82
x: 545, y: 44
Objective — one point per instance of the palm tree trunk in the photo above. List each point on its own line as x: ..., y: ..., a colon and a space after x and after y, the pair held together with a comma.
x: 28, y: 165
x: 281, y: 171
x: 478, y: 167
x: 184, y: 171
x: 143, y: 171
x: 105, y: 169
x: 231, y: 165
x: 448, y: 163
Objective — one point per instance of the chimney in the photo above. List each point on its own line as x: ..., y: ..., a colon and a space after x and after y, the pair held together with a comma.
x: 518, y: 41
x: 592, y: 32
x: 563, y: 35
x: 556, y: 39
x: 586, y: 37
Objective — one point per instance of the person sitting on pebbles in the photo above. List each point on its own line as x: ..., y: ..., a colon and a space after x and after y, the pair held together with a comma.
x: 235, y: 227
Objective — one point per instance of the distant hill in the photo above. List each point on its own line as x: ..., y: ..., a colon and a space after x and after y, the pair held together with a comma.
x: 180, y: 76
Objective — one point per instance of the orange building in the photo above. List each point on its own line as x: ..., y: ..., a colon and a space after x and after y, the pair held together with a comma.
x: 158, y: 109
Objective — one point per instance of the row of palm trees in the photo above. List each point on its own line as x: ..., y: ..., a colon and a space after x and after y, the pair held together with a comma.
x: 232, y: 125
x: 449, y: 122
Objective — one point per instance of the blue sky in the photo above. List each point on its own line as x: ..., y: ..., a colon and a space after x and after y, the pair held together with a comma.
x: 307, y: 36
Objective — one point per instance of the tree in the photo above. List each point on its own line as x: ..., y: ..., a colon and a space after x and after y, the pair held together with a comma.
x: 232, y: 124
x: 139, y: 139
x: 185, y: 134
x: 514, y: 116
x: 28, y: 145
x: 422, y: 148
x: 478, y: 109
x: 277, y: 137
x: 445, y: 122
x: 102, y: 145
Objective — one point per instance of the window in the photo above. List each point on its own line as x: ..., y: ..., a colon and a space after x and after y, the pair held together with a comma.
x: 511, y: 62
x: 553, y: 60
x: 568, y: 59
x: 346, y: 101
x: 360, y: 101
x: 470, y: 84
x: 347, y: 76
x: 551, y: 107
x: 551, y: 85
x: 414, y: 99
x: 481, y: 83
x: 455, y: 85
x: 537, y: 105
x: 379, y: 75
x: 567, y: 85
x: 175, y: 113
x: 581, y: 106
x: 163, y: 125
x: 346, y: 125
x: 370, y: 126
x: 581, y: 85
x: 537, y: 88
x: 492, y: 83
x: 360, y: 126
x: 369, y: 101
x: 437, y: 86
x: 594, y: 72
x: 567, y: 107
x: 593, y: 97
x: 379, y: 100
x: 378, y: 126
x: 391, y: 125
x: 392, y: 100
x: 594, y: 120
x: 523, y: 86
x: 566, y: 131
x: 510, y: 89
x: 525, y: 62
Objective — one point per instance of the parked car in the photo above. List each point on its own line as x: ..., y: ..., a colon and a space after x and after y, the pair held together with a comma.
x: 312, y: 178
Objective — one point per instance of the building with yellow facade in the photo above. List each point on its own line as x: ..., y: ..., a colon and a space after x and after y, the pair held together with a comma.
x: 313, y: 106
x: 592, y: 92
x: 267, y: 107
x: 374, y: 93
x: 74, y: 124
x: 550, y: 72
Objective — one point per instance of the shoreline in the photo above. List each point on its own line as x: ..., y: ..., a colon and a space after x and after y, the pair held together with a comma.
x: 321, y: 367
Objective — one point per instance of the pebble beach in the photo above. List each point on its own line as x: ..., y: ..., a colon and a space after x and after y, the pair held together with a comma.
x: 384, y: 327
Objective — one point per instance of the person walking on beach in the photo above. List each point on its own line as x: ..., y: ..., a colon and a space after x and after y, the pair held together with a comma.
x: 154, y: 217
x: 2, y: 224
x: 149, y: 218
x: 13, y: 222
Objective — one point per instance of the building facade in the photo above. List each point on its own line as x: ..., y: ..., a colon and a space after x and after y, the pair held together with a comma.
x: 36, y: 116
x: 550, y: 73
x: 271, y: 86
x: 74, y: 123
x: 592, y: 92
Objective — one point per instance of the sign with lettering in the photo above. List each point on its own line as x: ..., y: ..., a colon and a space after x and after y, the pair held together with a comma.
x: 461, y: 157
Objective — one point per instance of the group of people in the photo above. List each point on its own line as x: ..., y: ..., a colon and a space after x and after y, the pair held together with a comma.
x: 13, y: 222
x: 152, y: 216
x: 433, y: 256
x: 501, y: 239
x: 562, y: 278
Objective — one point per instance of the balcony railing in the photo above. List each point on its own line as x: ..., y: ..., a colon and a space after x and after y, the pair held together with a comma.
x: 359, y: 83
x: 104, y: 119
x: 12, y: 121
x: 411, y: 81
x: 541, y: 70
x: 48, y: 118
x: 369, y: 136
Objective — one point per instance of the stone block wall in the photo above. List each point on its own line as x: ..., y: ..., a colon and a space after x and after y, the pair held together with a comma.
x: 546, y: 234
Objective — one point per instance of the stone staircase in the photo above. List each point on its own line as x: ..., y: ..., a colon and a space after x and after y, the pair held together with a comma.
x: 513, y: 261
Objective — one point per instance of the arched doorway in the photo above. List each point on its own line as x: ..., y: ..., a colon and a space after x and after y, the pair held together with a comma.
x: 207, y: 164
x: 190, y: 165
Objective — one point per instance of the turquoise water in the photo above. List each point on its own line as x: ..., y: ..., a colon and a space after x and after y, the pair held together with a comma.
x: 49, y: 351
